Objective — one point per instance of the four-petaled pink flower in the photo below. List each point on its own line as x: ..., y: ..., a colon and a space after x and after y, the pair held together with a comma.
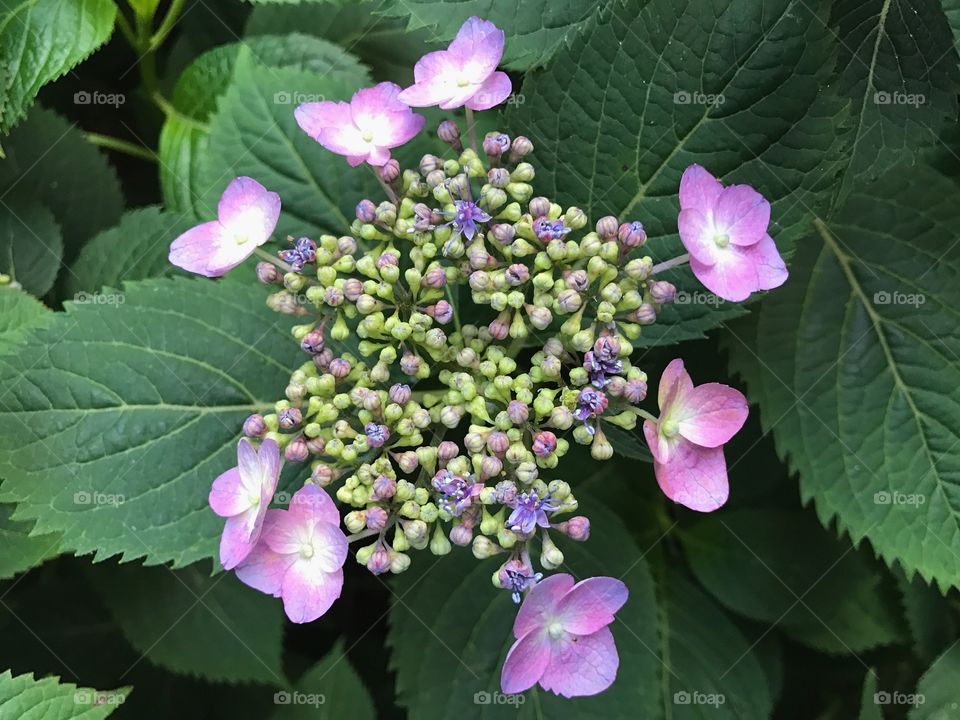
x: 246, y: 217
x: 563, y: 641
x: 725, y: 231
x: 463, y: 74
x: 242, y: 495
x: 300, y: 555
x: 687, y: 439
x: 364, y: 129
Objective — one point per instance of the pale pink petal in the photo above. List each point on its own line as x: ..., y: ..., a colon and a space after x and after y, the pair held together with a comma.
x: 742, y: 214
x: 660, y: 446
x: 540, y: 602
x: 711, y: 414
x: 771, y: 270
x: 344, y: 139
x: 192, y: 249
x: 697, y: 234
x: 227, y: 496
x: 526, y: 661
x: 248, y: 212
x: 315, y: 116
x: 309, y: 592
x: 733, y: 277
x: 436, y: 76
x: 590, y: 604
x: 378, y: 156
x: 402, y: 127
x: 698, y: 189
x: 249, y: 466
x: 695, y: 477
x: 311, y: 504
x: 238, y: 538
x: 330, y: 547
x: 479, y: 47
x: 289, y: 534
x: 263, y: 569
x: 459, y: 96
x: 581, y: 664
x: 495, y: 90
x: 675, y: 382
x: 269, y: 458
x: 355, y: 160
x: 376, y: 100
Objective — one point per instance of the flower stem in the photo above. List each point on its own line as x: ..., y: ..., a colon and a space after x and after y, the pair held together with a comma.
x: 367, y: 533
x: 666, y: 265
x: 391, y: 195
x: 472, y: 129
x: 273, y: 260
x: 645, y: 415
x: 166, y: 25
x: 119, y: 145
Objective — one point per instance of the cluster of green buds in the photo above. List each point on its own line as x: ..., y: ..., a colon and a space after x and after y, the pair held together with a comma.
x: 435, y: 430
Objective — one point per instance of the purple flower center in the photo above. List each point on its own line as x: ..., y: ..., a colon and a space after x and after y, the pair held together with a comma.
x: 304, y: 251
x: 590, y: 404
x: 456, y: 493
x: 377, y: 435
x: 465, y: 218
x: 529, y: 511
x: 549, y: 230
x: 518, y: 582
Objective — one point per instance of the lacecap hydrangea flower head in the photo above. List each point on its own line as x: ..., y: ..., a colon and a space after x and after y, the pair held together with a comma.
x: 432, y: 431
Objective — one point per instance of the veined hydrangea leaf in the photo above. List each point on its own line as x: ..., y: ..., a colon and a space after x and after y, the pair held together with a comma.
x: 653, y: 87
x: 897, y: 67
x: 938, y: 686
x: 254, y: 133
x: 21, y: 551
x: 827, y: 597
x: 40, y: 40
x: 856, y: 352
x: 48, y: 160
x: 18, y: 310
x: 191, y: 623
x: 30, y: 243
x: 135, y: 249
x: 185, y: 133
x: 330, y: 689
x: 535, y: 29
x: 115, y: 420
x: 24, y: 697
x: 450, y: 630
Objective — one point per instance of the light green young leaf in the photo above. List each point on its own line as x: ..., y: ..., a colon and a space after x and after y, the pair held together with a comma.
x: 938, y: 686
x: 657, y: 86
x: 135, y: 249
x: 30, y: 244
x: 827, y: 596
x: 856, y: 351
x: 49, y: 161
x: 191, y: 623
x: 115, y: 420
x: 40, y: 40
x: 24, y: 697
x: 869, y: 708
x: 329, y: 690
x: 450, y: 630
x: 185, y: 134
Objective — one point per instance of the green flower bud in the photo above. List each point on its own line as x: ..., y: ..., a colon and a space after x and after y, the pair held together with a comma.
x: 582, y: 435
x: 601, y: 449
x: 439, y: 545
x: 399, y: 562
x: 506, y: 537
x: 483, y: 547
x: 511, y: 213
x: 355, y: 521
x: 364, y: 553
x: 400, y: 543
x: 523, y: 172
x: 550, y: 555
x: 527, y: 472
x: 345, y: 495
x: 405, y: 492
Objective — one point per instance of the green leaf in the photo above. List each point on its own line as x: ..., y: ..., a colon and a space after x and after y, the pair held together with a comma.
x: 899, y: 72
x: 629, y: 443
x: 20, y: 550
x: 40, y: 40
x: 191, y: 623
x: 184, y: 137
x: 450, y: 630
x: 18, y: 310
x: 329, y: 690
x: 857, y: 349
x: 23, y: 697
x: 710, y: 669
x: 254, y: 133
x: 135, y: 249
x: 30, y: 244
x: 115, y: 421
x: 782, y: 568
x: 869, y: 709
x: 928, y: 616
x: 49, y: 160
x: 636, y: 99
x: 938, y: 687
x: 535, y: 29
